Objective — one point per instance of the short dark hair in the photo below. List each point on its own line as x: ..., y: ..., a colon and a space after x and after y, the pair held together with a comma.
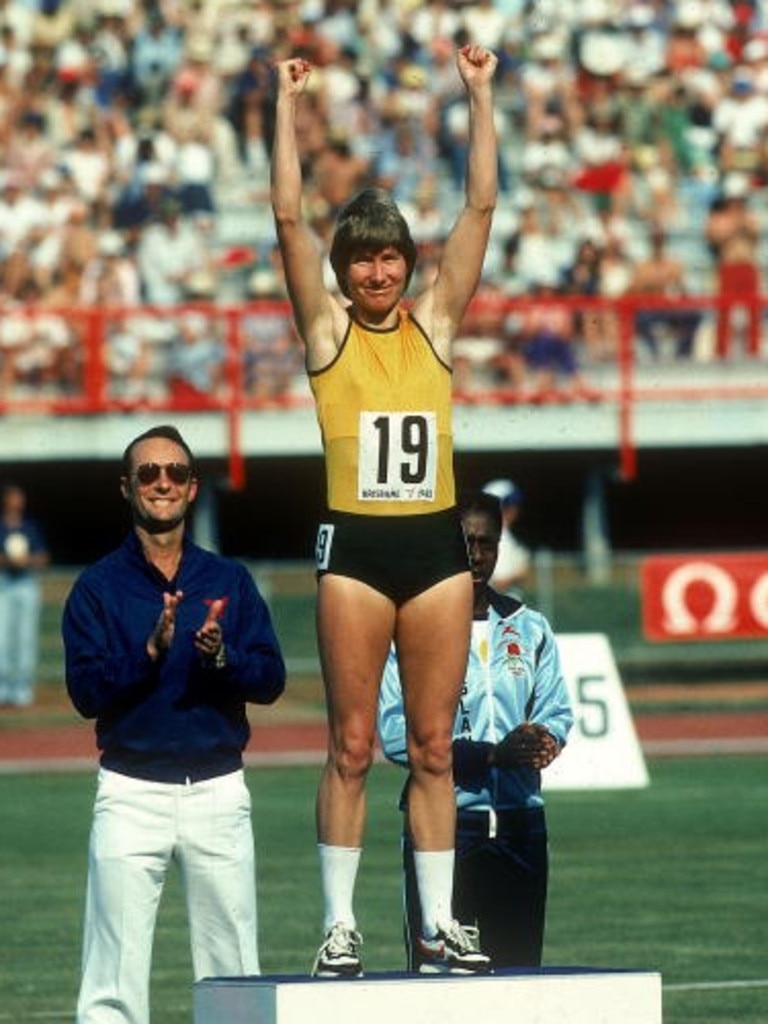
x: 370, y: 221
x: 481, y: 501
x: 165, y: 430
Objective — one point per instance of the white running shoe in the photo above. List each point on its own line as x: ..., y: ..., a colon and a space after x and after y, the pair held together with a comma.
x: 454, y: 950
x: 338, y: 957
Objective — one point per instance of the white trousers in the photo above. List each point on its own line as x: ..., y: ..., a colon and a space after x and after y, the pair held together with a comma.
x: 138, y: 829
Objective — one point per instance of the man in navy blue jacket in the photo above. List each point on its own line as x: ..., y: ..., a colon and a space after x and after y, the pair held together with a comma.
x: 165, y: 644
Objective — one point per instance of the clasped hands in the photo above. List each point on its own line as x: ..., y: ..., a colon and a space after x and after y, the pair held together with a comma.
x: 528, y: 744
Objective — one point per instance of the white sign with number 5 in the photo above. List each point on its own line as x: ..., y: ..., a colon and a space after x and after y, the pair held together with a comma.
x: 603, y: 751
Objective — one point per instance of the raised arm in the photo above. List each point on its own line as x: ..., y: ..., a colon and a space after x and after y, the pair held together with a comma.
x: 441, y: 308
x: 300, y: 248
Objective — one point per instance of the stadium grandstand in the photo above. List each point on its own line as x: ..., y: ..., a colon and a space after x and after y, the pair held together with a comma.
x: 621, y: 315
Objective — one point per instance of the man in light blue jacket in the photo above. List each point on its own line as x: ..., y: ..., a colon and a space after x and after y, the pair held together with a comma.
x: 513, y: 719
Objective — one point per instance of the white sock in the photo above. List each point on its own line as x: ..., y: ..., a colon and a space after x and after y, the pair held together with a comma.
x: 434, y: 877
x: 338, y: 873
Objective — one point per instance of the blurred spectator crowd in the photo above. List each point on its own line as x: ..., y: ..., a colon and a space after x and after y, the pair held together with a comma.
x: 135, y: 136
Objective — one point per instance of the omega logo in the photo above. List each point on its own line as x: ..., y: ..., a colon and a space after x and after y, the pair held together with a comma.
x: 724, y: 591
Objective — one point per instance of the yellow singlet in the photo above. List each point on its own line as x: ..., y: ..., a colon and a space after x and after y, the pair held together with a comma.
x: 384, y: 409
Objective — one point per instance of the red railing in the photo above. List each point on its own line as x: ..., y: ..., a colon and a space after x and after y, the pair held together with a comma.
x: 94, y: 361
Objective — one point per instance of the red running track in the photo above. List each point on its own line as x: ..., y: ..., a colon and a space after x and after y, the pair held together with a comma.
x: 660, y: 734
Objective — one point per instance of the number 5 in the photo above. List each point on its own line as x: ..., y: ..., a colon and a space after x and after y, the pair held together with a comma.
x: 594, y: 721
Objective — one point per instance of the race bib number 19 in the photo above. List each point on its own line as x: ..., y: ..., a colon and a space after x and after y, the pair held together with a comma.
x: 397, y: 457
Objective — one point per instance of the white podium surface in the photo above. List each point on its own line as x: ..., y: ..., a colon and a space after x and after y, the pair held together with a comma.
x: 545, y: 996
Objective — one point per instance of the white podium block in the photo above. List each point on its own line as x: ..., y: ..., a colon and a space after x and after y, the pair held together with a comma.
x: 544, y: 996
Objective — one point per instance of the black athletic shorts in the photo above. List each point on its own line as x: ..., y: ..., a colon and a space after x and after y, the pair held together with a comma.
x: 400, y: 556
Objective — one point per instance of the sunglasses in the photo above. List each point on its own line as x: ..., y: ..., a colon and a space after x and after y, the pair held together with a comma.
x: 149, y: 472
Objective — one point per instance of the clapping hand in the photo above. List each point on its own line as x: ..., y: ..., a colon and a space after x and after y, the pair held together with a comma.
x: 162, y: 635
x: 208, y: 639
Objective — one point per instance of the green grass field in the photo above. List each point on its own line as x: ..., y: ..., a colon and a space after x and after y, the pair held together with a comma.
x: 672, y: 878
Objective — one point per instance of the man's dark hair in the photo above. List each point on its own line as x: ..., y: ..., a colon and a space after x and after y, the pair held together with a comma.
x: 481, y: 501
x: 165, y: 430
x: 371, y: 221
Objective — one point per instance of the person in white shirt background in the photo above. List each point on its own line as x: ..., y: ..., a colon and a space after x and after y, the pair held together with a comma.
x: 514, y: 561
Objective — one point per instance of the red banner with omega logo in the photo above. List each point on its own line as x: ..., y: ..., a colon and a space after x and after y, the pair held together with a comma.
x: 705, y: 597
